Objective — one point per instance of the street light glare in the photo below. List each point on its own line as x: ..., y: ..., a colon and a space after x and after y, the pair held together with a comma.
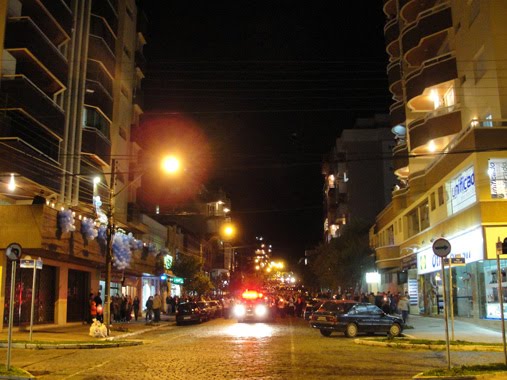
x: 171, y: 164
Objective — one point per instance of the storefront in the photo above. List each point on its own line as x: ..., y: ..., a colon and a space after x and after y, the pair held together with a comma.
x: 465, y: 278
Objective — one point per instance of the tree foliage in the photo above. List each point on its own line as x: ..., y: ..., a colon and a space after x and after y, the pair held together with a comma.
x: 186, y: 266
x: 341, y: 263
x: 200, y: 284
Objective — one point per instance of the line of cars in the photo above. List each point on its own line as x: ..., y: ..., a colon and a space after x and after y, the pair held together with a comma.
x: 199, y: 311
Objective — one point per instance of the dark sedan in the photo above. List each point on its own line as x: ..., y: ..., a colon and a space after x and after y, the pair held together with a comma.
x: 351, y: 318
x: 188, y: 312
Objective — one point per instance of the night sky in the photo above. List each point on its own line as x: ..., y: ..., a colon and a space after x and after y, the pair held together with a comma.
x: 262, y: 89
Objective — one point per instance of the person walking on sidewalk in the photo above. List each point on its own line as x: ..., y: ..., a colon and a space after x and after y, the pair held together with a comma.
x: 403, y: 308
x: 157, y: 306
x: 149, y: 309
x: 135, y: 306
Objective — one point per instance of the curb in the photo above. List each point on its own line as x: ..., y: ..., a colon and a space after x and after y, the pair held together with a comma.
x: 486, y: 376
x: 434, y: 347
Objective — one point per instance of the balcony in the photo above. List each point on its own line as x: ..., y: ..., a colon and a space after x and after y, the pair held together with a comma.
x: 390, y: 8
x: 102, y: 43
x: 96, y: 136
x: 411, y: 10
x: 22, y: 97
x: 391, y: 30
x: 96, y: 72
x: 397, y: 113
x: 35, y: 228
x: 140, y: 60
x: 421, y: 131
x: 108, y: 9
x: 400, y: 158
x: 387, y: 257
x: 438, y: 70
x: 36, y: 55
x: 394, y: 77
x: 430, y: 22
x: 97, y: 97
x: 53, y: 17
x: 40, y: 168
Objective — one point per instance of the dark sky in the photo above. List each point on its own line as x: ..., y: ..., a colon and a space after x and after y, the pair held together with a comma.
x: 268, y: 85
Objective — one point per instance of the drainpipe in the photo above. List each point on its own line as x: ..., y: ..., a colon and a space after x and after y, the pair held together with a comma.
x: 67, y: 103
x: 81, y: 97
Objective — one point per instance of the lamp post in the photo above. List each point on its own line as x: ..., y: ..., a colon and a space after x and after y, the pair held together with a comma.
x: 171, y: 165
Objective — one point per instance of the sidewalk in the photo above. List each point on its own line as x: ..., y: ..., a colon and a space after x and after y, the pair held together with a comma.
x: 79, y: 332
x: 434, y: 329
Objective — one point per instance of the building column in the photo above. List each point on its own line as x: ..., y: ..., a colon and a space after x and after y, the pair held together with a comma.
x: 62, y: 282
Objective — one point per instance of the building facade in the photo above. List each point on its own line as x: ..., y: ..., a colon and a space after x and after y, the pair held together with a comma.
x: 447, y: 64
x: 359, y: 162
x: 69, y: 101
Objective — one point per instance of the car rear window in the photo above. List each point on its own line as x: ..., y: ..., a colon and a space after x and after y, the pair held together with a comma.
x: 341, y: 308
x: 186, y: 306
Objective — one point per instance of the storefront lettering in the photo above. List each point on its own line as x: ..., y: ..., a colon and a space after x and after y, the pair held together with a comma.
x: 463, y: 184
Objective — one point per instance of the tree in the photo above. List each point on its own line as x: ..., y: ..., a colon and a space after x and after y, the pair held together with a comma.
x: 341, y: 263
x: 186, y: 266
x: 200, y: 284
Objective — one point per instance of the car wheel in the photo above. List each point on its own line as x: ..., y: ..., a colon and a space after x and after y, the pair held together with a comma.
x: 325, y: 332
x: 351, y: 330
x: 395, y: 330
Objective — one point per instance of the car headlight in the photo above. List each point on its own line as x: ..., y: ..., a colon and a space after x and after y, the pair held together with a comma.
x: 239, y: 310
x: 261, y: 310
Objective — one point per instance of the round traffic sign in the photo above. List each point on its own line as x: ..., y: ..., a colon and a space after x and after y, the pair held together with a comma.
x: 13, y: 251
x: 441, y: 247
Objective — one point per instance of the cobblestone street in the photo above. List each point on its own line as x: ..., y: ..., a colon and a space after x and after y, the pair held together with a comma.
x: 224, y: 349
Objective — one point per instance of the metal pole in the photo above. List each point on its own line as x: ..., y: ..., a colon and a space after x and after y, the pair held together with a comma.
x: 109, y: 248
x: 500, y: 299
x: 33, y: 298
x: 451, y: 299
x: 11, y: 315
x: 445, y: 316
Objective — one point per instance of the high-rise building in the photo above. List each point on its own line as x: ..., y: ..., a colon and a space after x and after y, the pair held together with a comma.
x: 447, y: 74
x: 358, y: 176
x: 69, y: 100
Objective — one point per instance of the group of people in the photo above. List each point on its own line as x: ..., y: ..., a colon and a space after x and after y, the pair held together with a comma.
x: 121, y: 308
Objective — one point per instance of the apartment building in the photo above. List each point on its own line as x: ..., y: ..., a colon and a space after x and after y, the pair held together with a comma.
x: 359, y: 162
x: 70, y: 100
x: 447, y: 75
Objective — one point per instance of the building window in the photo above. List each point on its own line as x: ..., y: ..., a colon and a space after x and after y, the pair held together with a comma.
x: 479, y: 65
x: 390, y: 235
x: 413, y: 222
x: 489, y: 120
x: 433, y: 201
x: 475, y: 8
x: 449, y: 97
x: 441, y: 199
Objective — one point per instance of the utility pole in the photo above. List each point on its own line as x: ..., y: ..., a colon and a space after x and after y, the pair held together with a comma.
x: 109, y: 248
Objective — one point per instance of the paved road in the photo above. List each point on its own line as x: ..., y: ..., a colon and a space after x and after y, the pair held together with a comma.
x: 224, y: 349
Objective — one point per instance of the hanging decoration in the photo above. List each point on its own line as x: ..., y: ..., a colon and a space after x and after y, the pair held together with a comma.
x: 88, y: 228
x: 123, y: 245
x: 66, y: 221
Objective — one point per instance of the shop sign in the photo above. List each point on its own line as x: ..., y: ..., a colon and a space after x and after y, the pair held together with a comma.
x: 468, y: 246
x: 168, y: 262
x: 177, y: 280
x: 497, y: 170
x: 461, y: 190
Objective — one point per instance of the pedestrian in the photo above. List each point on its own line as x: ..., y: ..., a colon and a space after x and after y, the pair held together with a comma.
x: 149, y: 309
x: 135, y: 306
x: 157, y: 306
x: 89, y: 315
x: 98, y: 303
x: 403, y: 308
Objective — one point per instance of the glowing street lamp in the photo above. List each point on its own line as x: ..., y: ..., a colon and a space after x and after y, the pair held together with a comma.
x: 171, y: 164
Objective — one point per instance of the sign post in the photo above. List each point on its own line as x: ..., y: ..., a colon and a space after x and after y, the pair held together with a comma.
x: 442, y: 248
x: 27, y: 262
x: 13, y: 253
x: 500, y: 295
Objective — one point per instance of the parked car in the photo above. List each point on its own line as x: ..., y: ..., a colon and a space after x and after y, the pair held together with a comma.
x: 188, y: 312
x: 217, y: 308
x: 207, y: 309
x: 311, y: 307
x: 351, y: 318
